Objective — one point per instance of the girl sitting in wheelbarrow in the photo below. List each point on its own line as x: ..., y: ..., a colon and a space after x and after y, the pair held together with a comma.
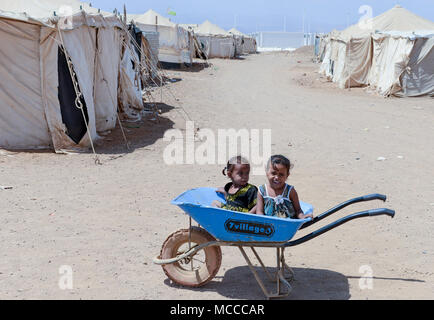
x: 277, y: 198
x: 239, y: 194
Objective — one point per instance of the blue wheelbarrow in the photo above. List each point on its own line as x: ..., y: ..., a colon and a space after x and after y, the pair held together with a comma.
x: 192, y: 257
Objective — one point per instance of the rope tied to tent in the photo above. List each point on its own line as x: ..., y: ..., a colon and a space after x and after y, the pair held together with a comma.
x: 141, y: 68
x: 97, y: 52
x: 161, y: 73
x: 78, y: 94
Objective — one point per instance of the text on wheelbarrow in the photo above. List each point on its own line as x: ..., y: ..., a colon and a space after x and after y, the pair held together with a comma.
x: 248, y: 227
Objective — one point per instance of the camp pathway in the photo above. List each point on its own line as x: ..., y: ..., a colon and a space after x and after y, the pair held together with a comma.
x: 103, y: 224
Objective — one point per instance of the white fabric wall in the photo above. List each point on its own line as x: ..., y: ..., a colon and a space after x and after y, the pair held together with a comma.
x: 418, y: 77
x: 377, y: 51
x: 22, y: 115
x: 239, y: 47
x: 392, y: 59
x: 152, y: 58
x: 339, y: 51
x: 249, y: 45
x: 218, y: 47
x: 357, y: 63
x: 174, y: 43
x: 326, y: 63
x: 129, y: 85
x: 106, y: 78
x: 50, y: 81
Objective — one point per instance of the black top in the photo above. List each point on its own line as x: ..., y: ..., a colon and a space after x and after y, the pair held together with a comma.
x: 243, y: 200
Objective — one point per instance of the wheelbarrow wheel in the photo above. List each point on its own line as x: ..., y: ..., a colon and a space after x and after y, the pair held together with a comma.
x: 195, y: 270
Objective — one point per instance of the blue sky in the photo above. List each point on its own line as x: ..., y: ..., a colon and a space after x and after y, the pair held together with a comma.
x: 268, y: 15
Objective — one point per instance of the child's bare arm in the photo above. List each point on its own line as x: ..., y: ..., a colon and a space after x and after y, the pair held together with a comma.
x: 260, y: 204
x: 304, y: 216
x: 253, y: 210
x: 216, y: 204
x: 293, y: 196
x: 221, y: 190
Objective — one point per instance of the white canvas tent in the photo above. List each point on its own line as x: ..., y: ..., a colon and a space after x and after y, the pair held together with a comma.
x: 215, y: 41
x: 245, y: 44
x: 38, y: 97
x: 175, y: 43
x: 239, y: 41
x: 403, y: 63
x: 355, y: 56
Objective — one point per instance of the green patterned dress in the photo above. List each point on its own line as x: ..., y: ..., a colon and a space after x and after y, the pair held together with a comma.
x: 243, y: 200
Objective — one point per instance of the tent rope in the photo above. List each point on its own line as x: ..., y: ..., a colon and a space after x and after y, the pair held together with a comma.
x: 78, y: 94
x: 106, y: 82
x: 162, y: 74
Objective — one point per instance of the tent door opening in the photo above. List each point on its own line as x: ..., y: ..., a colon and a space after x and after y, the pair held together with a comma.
x: 72, y: 116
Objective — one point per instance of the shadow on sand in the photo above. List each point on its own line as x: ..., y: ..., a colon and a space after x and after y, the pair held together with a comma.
x: 239, y: 283
x: 239, y: 57
x: 193, y: 67
x: 309, y: 284
x: 139, y: 134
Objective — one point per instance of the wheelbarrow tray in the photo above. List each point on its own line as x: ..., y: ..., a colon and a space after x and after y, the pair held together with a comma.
x: 232, y: 226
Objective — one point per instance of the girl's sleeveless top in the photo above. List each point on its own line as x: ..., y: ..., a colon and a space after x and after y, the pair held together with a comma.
x: 280, y: 206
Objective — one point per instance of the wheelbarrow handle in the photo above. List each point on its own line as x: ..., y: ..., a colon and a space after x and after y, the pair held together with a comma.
x: 374, y: 196
x: 379, y: 212
x: 369, y: 197
x: 362, y: 214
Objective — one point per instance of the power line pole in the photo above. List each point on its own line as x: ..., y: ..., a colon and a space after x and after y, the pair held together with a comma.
x: 304, y: 13
x: 304, y: 35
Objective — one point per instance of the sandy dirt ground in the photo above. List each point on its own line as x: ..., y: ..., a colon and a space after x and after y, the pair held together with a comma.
x: 106, y: 222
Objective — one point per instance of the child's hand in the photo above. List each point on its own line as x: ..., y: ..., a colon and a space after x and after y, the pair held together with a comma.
x: 221, y: 190
x: 216, y: 204
x: 305, y: 216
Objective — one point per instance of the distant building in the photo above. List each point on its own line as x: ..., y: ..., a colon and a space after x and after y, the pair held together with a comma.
x: 272, y: 40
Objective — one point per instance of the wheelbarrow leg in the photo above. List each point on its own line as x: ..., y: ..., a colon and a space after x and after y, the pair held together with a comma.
x: 269, y: 275
x: 284, y: 266
x: 280, y: 274
x: 278, y: 269
x: 281, y: 267
x: 279, y: 278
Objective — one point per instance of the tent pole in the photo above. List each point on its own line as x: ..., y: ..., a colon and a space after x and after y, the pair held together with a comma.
x: 349, y: 66
x: 125, y: 14
x: 349, y: 54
